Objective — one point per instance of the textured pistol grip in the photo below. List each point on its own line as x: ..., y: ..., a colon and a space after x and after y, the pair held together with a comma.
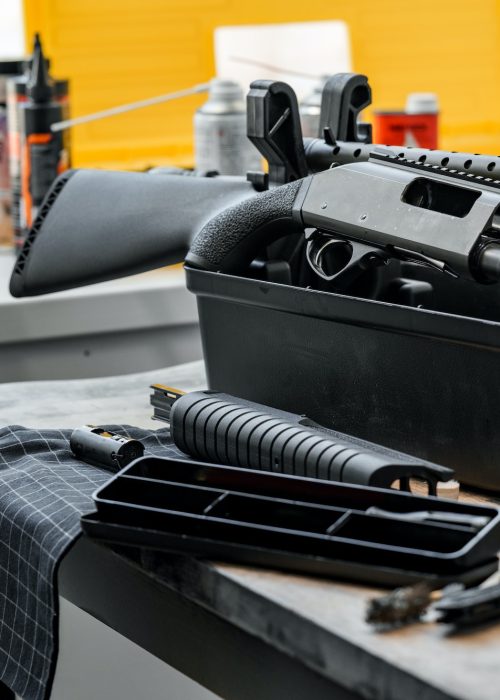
x: 219, y: 428
x: 233, y: 238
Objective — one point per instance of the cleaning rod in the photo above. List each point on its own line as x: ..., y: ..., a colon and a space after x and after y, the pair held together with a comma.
x: 112, y: 111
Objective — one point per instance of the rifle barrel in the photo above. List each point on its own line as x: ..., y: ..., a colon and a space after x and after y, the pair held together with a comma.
x: 321, y: 156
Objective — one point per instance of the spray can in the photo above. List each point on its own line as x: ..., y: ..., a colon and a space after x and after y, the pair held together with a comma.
x: 8, y: 69
x: 43, y: 155
x: 220, y: 132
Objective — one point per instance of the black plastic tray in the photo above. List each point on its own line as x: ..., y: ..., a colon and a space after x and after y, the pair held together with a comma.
x: 290, y: 523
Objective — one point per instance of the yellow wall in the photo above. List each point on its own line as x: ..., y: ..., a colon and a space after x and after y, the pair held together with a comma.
x: 122, y: 50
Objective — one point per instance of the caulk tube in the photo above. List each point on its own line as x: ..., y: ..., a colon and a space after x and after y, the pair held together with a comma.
x: 17, y: 96
x: 42, y: 153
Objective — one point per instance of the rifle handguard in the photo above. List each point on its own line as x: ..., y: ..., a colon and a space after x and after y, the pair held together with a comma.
x: 233, y: 238
x: 224, y: 429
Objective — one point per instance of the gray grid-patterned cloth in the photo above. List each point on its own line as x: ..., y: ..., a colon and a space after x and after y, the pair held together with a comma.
x: 43, y: 492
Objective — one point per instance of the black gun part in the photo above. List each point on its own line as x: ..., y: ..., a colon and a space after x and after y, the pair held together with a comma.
x: 470, y: 607
x: 451, y: 605
x: 103, y: 448
x: 162, y: 400
x: 224, y: 429
x: 116, y: 224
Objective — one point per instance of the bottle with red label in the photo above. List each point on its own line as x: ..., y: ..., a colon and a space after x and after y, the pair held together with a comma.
x: 417, y: 126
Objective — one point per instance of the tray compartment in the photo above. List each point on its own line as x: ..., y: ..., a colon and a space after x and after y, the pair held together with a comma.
x: 394, y: 533
x: 281, y: 514
x: 165, y: 496
x: 157, y: 528
x: 304, y: 490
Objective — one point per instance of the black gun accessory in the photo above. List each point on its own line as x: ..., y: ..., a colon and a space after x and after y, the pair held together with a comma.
x: 273, y: 124
x: 452, y: 605
x: 103, y: 448
x: 465, y: 608
x: 227, y: 430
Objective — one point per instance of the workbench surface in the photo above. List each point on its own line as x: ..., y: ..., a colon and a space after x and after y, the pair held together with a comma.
x: 318, y: 623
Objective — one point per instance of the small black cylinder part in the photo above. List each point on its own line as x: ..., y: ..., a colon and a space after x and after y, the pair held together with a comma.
x: 489, y: 262
x: 104, y: 448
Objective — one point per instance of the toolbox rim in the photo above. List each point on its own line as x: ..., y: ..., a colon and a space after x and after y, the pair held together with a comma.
x: 342, y: 308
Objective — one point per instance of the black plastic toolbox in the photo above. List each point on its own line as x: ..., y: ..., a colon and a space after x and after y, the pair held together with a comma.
x: 295, y: 523
x: 422, y: 381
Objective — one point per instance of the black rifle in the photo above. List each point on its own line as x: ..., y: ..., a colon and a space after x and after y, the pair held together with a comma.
x: 98, y: 225
x: 361, y: 215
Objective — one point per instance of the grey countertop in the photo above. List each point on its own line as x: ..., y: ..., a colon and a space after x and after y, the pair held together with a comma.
x: 318, y: 622
x: 70, y: 403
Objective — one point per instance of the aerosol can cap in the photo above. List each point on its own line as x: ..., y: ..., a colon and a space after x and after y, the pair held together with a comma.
x: 224, y: 96
x: 422, y: 103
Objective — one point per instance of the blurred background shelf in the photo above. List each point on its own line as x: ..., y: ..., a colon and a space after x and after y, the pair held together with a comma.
x: 130, y: 325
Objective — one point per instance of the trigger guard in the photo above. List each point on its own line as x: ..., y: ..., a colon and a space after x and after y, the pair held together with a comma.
x: 362, y: 257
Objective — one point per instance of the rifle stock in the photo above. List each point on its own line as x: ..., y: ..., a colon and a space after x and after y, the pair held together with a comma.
x: 97, y: 225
